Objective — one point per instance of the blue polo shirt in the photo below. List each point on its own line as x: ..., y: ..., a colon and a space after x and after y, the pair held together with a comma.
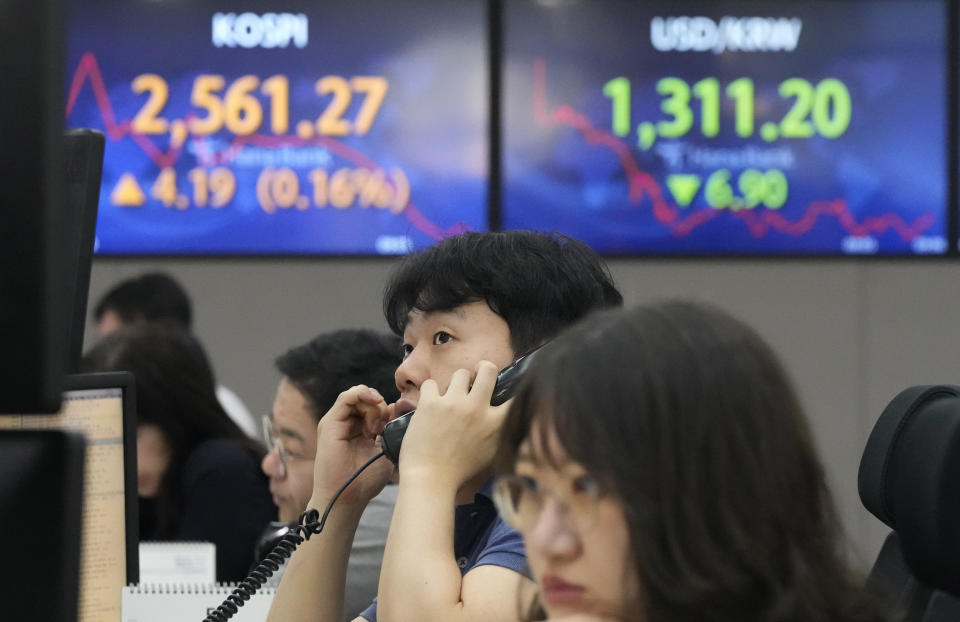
x: 480, y: 538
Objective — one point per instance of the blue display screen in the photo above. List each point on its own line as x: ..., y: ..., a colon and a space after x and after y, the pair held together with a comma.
x: 335, y: 127
x: 728, y: 127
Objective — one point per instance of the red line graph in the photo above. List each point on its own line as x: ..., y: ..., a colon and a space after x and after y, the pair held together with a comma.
x: 758, y: 222
x: 88, y: 70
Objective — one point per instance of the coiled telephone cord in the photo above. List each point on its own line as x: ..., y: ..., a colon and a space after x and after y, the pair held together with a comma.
x: 307, y: 526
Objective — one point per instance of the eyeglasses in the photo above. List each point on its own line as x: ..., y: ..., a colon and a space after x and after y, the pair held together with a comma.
x: 274, y: 443
x: 521, y: 500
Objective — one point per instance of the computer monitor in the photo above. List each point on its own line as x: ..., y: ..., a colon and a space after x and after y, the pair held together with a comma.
x: 102, y: 406
x: 33, y: 314
x: 41, y: 479
x: 83, y: 160
x: 731, y: 127
x: 334, y: 132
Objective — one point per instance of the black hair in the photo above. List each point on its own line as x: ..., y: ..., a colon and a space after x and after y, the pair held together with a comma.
x: 151, y: 297
x: 686, y: 416
x: 175, y: 391
x: 537, y: 282
x: 331, y: 363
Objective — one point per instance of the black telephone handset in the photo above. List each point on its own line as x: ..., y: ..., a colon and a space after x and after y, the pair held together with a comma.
x: 506, y: 384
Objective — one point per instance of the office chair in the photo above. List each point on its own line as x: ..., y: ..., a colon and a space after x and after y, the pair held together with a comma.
x: 910, y: 479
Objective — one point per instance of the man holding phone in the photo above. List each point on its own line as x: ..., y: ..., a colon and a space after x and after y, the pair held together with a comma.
x: 465, y: 308
x: 312, y: 375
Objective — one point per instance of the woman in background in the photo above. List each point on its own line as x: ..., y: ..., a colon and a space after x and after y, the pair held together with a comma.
x: 198, y: 474
x: 661, y: 469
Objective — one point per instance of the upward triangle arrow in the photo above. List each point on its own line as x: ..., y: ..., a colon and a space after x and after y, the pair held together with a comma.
x: 127, y: 192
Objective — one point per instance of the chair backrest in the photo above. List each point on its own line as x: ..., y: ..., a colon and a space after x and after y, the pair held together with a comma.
x: 910, y: 479
x: 892, y: 579
x: 942, y: 608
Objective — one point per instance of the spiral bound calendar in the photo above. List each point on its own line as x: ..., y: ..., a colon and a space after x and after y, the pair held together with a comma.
x: 189, y: 603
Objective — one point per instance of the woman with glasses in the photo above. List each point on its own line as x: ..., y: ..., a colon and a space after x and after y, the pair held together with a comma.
x: 660, y: 468
x: 198, y: 474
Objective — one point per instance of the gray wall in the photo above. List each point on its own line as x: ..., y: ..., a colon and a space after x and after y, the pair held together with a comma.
x: 853, y: 333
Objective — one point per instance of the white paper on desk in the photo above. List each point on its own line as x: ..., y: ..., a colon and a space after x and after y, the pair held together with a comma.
x: 188, y: 603
x: 178, y: 563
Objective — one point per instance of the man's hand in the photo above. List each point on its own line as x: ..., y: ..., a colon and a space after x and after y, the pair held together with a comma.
x: 312, y: 586
x: 454, y: 436
x: 346, y: 438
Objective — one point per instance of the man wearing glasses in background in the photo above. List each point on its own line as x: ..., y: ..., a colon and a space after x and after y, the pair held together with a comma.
x: 312, y: 376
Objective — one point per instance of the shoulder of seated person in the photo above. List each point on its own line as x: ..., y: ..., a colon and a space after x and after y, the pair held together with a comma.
x: 218, y: 455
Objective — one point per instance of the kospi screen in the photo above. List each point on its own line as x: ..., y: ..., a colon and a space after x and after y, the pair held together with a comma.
x: 335, y: 127
x: 728, y: 127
